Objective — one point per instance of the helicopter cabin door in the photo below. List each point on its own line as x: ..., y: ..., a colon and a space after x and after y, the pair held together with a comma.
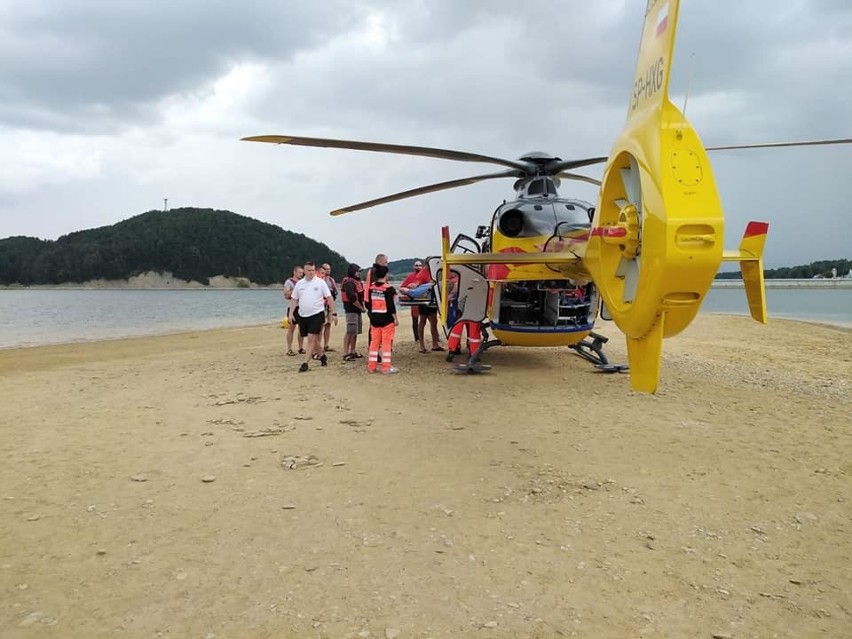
x: 465, y: 244
x: 468, y: 289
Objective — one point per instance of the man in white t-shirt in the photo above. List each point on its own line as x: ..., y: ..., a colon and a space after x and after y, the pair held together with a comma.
x: 311, y: 296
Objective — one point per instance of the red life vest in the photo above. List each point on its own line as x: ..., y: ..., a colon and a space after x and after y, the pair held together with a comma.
x: 378, y: 303
x: 358, y: 285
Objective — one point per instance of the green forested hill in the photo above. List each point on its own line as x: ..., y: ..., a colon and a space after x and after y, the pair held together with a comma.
x: 822, y: 268
x: 399, y: 269
x: 192, y: 244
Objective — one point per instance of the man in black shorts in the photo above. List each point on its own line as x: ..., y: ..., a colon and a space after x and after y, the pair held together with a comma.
x: 429, y: 314
x: 311, y: 297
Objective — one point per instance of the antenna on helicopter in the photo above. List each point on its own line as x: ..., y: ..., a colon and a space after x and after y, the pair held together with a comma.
x: 686, y: 95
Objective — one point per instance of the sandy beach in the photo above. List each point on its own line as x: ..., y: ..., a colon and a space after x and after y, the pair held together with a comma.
x: 194, y: 485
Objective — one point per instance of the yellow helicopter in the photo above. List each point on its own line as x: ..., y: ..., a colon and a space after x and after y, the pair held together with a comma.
x: 644, y: 256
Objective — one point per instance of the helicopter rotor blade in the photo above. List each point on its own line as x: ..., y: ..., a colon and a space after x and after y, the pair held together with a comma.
x: 564, y: 165
x: 629, y: 270
x: 768, y: 145
x: 578, y: 177
x: 431, y: 188
x: 400, y: 149
x: 628, y: 267
x: 632, y: 185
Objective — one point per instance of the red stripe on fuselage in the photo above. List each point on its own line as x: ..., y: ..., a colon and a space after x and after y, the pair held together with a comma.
x: 609, y: 231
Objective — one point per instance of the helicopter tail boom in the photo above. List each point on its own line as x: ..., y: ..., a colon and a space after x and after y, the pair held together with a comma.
x: 750, y: 257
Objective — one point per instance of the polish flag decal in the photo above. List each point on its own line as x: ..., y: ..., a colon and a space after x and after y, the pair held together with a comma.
x: 663, y: 20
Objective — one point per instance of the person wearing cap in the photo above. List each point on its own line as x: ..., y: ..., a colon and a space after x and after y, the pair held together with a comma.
x: 352, y: 293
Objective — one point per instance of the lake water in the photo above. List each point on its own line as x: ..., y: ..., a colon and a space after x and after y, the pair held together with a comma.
x: 42, y: 316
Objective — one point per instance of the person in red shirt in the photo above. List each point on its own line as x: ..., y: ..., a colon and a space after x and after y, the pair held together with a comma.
x: 426, y: 312
x: 407, y: 284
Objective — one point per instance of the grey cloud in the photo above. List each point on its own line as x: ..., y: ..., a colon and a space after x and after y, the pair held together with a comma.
x: 96, y: 65
x: 492, y: 76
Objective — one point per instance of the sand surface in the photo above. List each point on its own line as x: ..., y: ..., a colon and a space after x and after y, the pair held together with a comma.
x: 195, y: 485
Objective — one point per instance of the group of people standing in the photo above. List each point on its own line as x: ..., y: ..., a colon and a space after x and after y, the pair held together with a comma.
x: 311, y: 294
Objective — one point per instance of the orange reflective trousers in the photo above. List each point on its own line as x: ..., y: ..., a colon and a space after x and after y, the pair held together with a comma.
x: 474, y: 336
x: 381, y: 337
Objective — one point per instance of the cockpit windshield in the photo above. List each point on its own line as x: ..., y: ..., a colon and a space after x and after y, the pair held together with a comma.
x: 541, y: 186
x: 559, y: 216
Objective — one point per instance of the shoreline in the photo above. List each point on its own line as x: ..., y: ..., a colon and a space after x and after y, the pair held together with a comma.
x: 403, y: 329
x: 842, y: 283
x: 166, y: 281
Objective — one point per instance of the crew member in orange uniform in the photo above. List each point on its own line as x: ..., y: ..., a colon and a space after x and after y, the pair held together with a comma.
x: 383, y: 321
x: 474, y: 329
x: 474, y: 337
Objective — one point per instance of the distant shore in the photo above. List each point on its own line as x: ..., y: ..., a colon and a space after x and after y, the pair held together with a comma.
x: 792, y: 283
x: 152, y: 281
x: 167, y: 281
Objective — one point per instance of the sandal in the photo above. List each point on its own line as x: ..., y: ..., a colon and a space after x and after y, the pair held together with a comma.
x: 327, y: 349
x: 423, y: 350
x: 348, y: 357
x: 301, y: 351
x: 357, y: 356
x: 438, y: 348
x: 291, y: 353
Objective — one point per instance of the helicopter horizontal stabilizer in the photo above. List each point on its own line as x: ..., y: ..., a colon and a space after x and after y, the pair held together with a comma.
x: 750, y: 257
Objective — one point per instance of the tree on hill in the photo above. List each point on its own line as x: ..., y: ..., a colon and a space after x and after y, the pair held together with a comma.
x: 823, y: 268
x: 398, y: 269
x: 192, y: 244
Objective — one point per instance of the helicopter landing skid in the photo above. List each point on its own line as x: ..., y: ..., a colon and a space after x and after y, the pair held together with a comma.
x: 472, y: 365
x: 471, y: 369
x: 592, y: 351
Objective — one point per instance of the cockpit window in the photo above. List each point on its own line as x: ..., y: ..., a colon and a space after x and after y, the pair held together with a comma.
x: 536, y: 187
x: 541, y: 187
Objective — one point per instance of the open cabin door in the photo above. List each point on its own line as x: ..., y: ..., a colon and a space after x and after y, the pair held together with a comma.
x: 465, y: 244
x: 468, y: 290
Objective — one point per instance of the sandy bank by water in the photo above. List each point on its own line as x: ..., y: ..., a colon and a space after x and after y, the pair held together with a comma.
x: 151, y: 280
x: 196, y: 485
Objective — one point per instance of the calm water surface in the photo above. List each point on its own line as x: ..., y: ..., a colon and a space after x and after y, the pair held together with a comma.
x: 36, y: 317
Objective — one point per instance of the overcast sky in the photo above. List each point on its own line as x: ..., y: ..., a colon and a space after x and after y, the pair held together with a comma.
x: 108, y: 107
